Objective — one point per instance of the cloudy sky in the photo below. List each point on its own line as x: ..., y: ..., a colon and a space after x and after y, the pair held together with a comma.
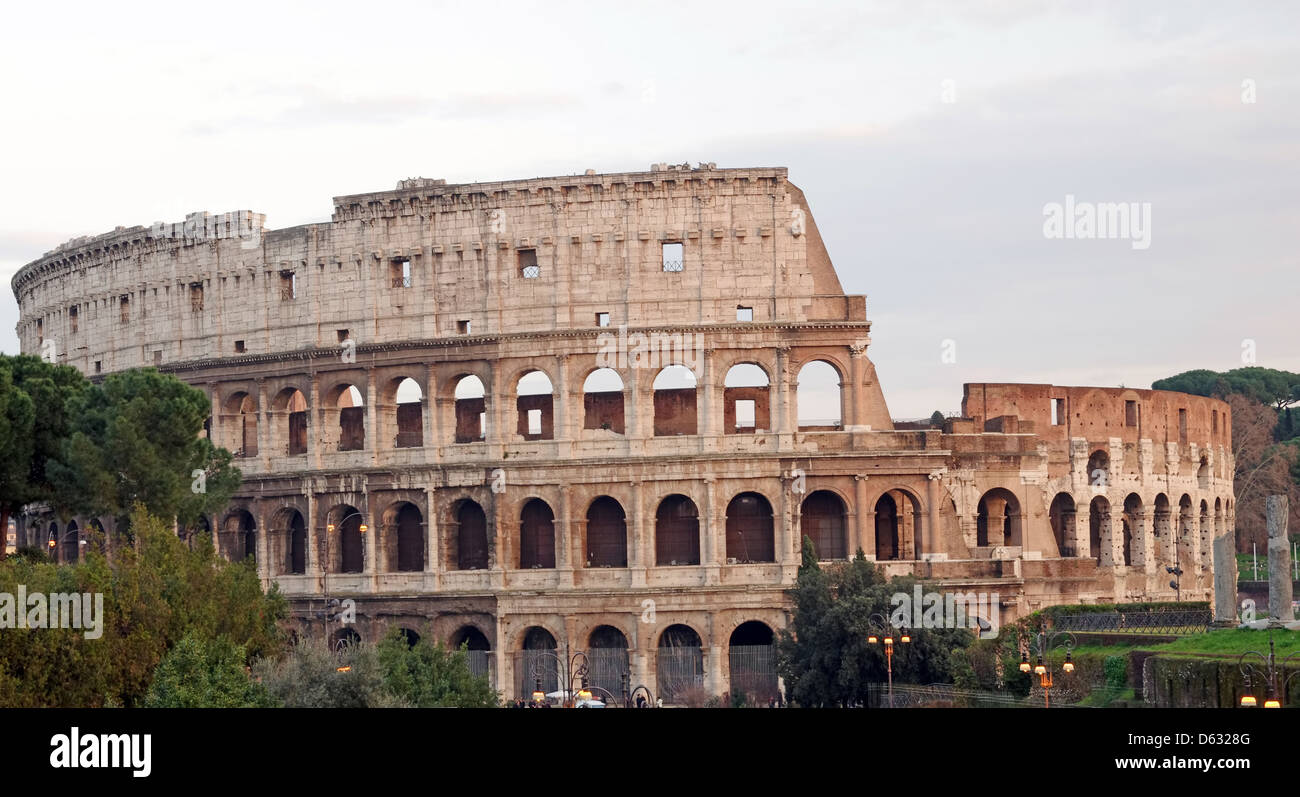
x: 928, y: 137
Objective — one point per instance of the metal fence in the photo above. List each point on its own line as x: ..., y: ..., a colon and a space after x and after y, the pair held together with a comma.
x: 753, y: 672
x: 680, y: 669
x: 605, y: 670
x: 948, y: 696
x: 532, y: 665
x: 1161, y: 621
x: 483, y: 662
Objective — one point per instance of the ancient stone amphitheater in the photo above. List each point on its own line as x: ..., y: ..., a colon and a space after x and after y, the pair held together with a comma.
x: 600, y: 412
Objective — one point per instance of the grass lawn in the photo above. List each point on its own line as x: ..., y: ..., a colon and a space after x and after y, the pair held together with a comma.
x: 1220, y: 642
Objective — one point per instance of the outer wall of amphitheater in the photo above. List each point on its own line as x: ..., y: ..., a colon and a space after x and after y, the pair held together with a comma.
x: 578, y: 413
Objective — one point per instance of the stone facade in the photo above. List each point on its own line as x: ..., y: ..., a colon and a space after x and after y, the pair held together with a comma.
x: 372, y: 370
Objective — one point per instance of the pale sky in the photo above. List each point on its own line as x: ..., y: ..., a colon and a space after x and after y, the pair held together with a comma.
x: 928, y: 138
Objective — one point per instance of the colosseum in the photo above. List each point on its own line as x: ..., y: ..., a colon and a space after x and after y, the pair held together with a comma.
x: 600, y: 412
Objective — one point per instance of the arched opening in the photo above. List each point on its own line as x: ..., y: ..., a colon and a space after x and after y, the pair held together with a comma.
x: 239, y: 537
x: 898, y: 526
x: 1099, y: 469
x: 824, y: 520
x: 1162, y: 531
x: 1099, y: 531
x: 95, y: 535
x: 602, y: 401
x: 1062, y: 516
x: 1183, y: 547
x: 410, y: 637
x: 402, y: 537
x: 470, y: 539
x: 477, y: 649
x: 745, y: 400
x: 71, y: 543
x: 290, y: 540
x: 239, y: 416
x: 999, y: 522
x: 608, y: 660
x: 347, y: 404
x: 344, y: 638
x: 1131, y: 522
x: 819, y: 397
x: 347, y: 543
x: 1203, y: 473
x: 752, y: 658
x: 606, y: 534
x: 290, y: 428
x: 677, y: 532
x: 536, y: 535
x: 535, y: 402
x: 536, y: 665
x: 750, y: 533
x: 674, y: 402
x: 471, y: 410
x: 408, y: 414
x: 680, y: 665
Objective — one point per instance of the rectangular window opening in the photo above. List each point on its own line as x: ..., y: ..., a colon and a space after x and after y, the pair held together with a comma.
x: 463, y: 327
x: 673, y: 256
x: 401, y: 272
x: 343, y: 334
x: 72, y: 317
x: 288, y: 286
x: 528, y: 268
x: 744, y: 413
x: 196, y: 297
x: 1130, y: 413
x: 1182, y: 426
x: 1058, y: 412
x: 744, y: 313
x: 239, y: 346
x: 124, y: 309
x: 602, y: 319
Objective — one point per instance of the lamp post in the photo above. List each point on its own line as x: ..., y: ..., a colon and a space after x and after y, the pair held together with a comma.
x: 329, y: 562
x: 1268, y: 670
x: 576, y: 668
x: 882, y: 632
x: 57, y: 539
x: 630, y: 696
x: 1042, y: 644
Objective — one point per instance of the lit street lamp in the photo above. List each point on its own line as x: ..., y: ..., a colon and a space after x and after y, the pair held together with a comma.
x: 1043, y: 643
x: 1269, y: 672
x: 882, y: 630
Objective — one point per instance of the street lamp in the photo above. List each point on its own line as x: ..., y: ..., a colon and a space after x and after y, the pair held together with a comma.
x: 325, y: 589
x: 630, y: 696
x: 880, y: 630
x: 576, y: 669
x: 1269, y: 672
x: 1043, y: 643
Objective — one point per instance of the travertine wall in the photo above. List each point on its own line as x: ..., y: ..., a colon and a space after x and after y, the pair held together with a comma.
x: 1001, y: 501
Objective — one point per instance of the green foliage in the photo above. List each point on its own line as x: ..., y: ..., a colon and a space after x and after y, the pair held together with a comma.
x: 1265, y: 385
x: 313, y: 676
x: 201, y: 673
x: 135, y: 439
x: 35, y: 400
x: 154, y: 594
x: 390, y: 674
x: 427, y: 675
x: 1116, y: 669
x: 824, y: 656
x: 936, y: 419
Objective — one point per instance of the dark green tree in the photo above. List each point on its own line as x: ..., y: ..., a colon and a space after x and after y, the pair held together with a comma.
x: 136, y: 438
x: 203, y: 673
x: 427, y: 675
x: 825, y: 658
x: 1270, y: 386
x: 35, y: 401
x: 937, y: 419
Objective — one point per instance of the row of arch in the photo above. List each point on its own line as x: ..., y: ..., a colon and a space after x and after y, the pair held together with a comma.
x: 1172, y: 543
x: 746, y: 402
x: 679, y: 660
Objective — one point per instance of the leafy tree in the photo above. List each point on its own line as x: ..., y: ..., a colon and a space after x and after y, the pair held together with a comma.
x: 35, y: 398
x: 427, y: 675
x: 202, y: 673
x: 313, y: 676
x: 937, y: 419
x: 1280, y: 389
x: 153, y: 594
x: 824, y: 657
x: 136, y: 438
